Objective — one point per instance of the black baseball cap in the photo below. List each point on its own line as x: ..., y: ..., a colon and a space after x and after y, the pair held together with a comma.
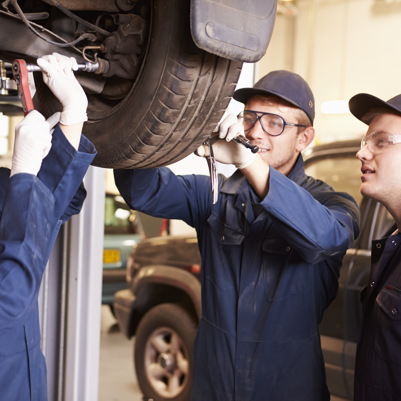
x: 362, y: 103
x: 285, y: 85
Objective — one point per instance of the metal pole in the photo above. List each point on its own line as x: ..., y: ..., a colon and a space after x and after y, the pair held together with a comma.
x: 63, y: 304
x: 84, y: 294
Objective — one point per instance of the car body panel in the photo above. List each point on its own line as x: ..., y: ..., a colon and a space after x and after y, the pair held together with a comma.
x: 178, y: 251
x: 123, y: 308
x: 174, y: 277
x: 124, y: 244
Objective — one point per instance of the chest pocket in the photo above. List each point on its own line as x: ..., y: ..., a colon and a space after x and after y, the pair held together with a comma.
x: 225, y: 234
x: 284, y: 275
x: 224, y: 243
x: 388, y: 324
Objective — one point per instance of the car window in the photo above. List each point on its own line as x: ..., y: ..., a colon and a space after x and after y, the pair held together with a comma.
x: 342, y: 173
x: 118, y: 218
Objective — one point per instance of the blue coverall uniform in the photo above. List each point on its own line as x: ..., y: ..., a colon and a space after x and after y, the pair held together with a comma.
x: 270, y: 268
x: 32, y: 211
x: 378, y: 356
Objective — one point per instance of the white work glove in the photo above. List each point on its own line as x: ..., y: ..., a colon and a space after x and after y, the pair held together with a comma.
x: 58, y: 75
x: 33, y: 141
x: 227, y: 151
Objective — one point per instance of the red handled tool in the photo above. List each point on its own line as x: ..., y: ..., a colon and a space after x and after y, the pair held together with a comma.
x: 20, y: 73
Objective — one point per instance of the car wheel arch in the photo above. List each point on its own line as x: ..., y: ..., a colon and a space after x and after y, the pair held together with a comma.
x: 165, y: 284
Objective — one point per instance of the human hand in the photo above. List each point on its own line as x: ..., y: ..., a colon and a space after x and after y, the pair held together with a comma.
x: 32, y: 144
x: 227, y: 151
x: 58, y: 75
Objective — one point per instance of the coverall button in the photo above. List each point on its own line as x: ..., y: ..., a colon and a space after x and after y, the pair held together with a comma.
x: 378, y: 245
x: 223, y: 238
x: 371, y: 284
x: 394, y: 311
x: 288, y: 249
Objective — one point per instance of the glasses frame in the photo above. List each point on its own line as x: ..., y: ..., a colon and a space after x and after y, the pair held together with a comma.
x: 393, y: 139
x: 259, y: 118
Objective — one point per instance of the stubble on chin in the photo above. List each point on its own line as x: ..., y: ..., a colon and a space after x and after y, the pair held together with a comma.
x: 369, y: 192
x: 363, y: 190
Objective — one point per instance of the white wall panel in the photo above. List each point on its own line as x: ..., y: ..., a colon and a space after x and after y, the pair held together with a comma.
x: 342, y: 48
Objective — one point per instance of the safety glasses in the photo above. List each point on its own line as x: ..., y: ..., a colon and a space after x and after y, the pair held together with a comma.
x: 272, y: 124
x: 379, y: 140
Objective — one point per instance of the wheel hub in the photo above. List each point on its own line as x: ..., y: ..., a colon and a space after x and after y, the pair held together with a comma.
x: 167, y: 361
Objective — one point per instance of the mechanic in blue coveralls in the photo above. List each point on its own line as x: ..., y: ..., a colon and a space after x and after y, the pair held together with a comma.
x: 271, y: 248
x: 378, y: 353
x: 41, y: 192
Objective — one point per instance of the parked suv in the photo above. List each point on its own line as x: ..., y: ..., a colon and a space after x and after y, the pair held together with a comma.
x: 162, y: 306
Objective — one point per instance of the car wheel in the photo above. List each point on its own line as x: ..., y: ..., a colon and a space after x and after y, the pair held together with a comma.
x: 163, y: 353
x: 177, y: 99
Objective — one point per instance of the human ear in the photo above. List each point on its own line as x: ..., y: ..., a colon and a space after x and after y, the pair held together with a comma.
x: 305, y: 138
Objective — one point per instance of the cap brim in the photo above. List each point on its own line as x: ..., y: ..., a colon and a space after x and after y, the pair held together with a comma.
x: 359, y: 105
x: 242, y: 95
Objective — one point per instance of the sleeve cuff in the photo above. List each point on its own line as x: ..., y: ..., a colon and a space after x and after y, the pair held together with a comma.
x: 86, y: 150
x: 61, y: 156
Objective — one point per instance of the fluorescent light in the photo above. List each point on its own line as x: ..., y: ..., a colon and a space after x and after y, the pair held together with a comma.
x: 129, y: 242
x: 122, y: 214
x: 335, y: 107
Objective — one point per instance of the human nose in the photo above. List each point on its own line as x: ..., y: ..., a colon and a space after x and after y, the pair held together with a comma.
x: 364, y: 153
x: 256, y: 132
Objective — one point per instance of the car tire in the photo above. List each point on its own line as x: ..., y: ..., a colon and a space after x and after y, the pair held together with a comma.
x: 179, y: 96
x: 163, y: 353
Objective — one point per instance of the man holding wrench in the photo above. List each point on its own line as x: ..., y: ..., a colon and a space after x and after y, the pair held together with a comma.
x: 271, y: 246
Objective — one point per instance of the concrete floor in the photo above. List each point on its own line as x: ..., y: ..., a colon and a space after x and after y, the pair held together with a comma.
x: 117, y: 379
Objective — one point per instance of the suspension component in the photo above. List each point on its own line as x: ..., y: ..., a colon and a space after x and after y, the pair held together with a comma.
x: 6, y: 84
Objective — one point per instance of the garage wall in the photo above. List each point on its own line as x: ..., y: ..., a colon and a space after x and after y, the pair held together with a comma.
x: 342, y: 48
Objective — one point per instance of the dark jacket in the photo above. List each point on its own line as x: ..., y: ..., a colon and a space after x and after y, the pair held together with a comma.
x: 32, y: 211
x: 378, y: 356
x: 269, y: 270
